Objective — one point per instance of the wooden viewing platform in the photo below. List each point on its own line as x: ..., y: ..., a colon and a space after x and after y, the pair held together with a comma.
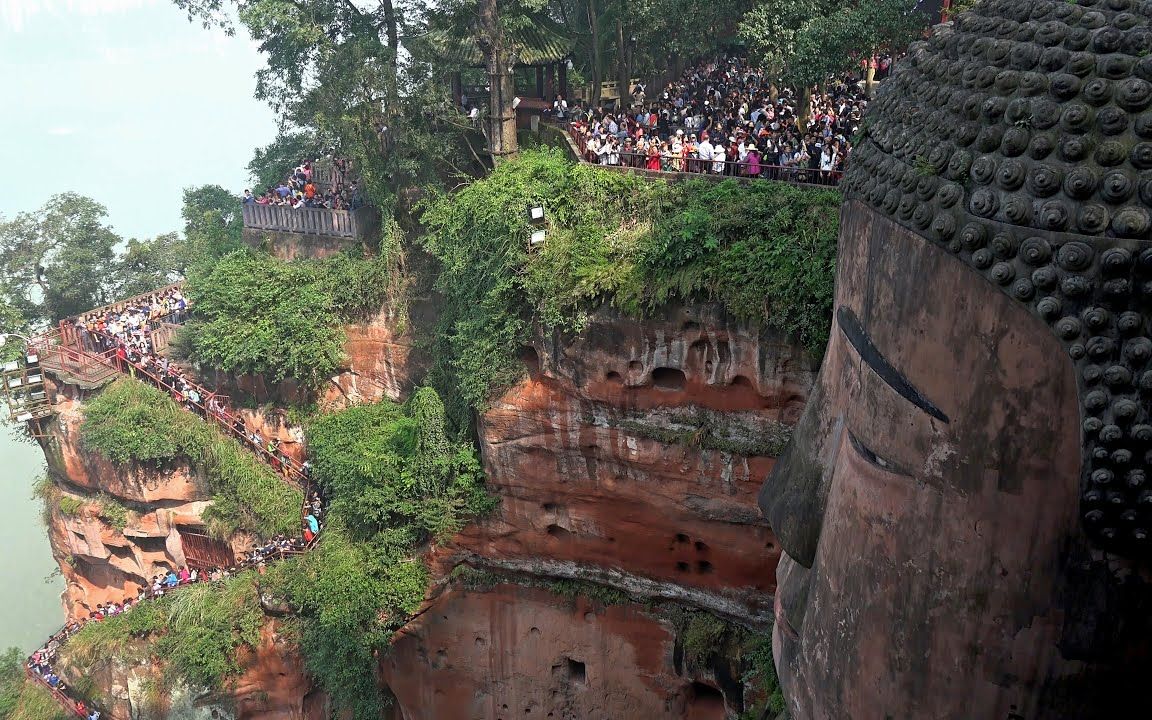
x: 311, y: 221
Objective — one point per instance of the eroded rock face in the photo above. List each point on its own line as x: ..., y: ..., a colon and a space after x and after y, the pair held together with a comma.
x: 381, y: 361
x: 272, y: 686
x: 632, y: 455
x: 523, y: 652
x: 90, y: 471
x: 100, y: 562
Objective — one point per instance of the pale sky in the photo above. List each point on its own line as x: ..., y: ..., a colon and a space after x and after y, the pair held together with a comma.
x: 126, y: 102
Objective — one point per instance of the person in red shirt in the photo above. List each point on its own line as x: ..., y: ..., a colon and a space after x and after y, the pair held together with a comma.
x: 309, y: 190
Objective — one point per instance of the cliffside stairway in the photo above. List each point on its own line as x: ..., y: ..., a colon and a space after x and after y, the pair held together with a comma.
x: 62, y: 354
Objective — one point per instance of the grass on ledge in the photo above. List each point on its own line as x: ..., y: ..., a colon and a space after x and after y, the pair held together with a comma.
x: 131, y: 421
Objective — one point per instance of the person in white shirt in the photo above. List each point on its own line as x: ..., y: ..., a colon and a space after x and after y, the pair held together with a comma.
x: 560, y: 107
x: 474, y: 115
x: 827, y: 160
x: 719, y: 153
x: 602, y: 151
x: 677, y: 151
x: 704, y: 152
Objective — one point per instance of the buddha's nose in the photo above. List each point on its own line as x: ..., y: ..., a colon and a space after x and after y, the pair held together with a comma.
x: 794, y: 494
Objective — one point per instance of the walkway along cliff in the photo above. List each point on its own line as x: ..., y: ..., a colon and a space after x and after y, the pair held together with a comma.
x: 626, y: 565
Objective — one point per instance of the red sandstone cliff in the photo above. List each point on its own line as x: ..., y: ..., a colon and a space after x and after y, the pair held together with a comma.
x: 102, y: 563
x: 629, y: 456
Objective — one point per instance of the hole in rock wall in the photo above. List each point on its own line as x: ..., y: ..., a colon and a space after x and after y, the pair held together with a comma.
x: 614, y: 378
x: 701, y: 546
x: 576, y: 671
x: 635, y: 366
x: 668, y: 378
x: 723, y: 351
x: 705, y: 702
x: 151, y: 544
x: 700, y: 346
x: 558, y: 532
x: 681, y: 538
x: 683, y: 566
x: 120, y: 551
x: 704, y: 566
x: 531, y: 358
x: 741, y: 381
x: 549, y: 507
x: 690, y: 326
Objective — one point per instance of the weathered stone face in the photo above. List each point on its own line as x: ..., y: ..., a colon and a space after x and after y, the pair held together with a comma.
x: 524, y: 652
x: 632, y: 454
x: 963, y: 507
x: 1020, y: 140
x: 928, y: 496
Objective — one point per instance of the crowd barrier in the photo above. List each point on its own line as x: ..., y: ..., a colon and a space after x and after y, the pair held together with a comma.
x: 694, y: 167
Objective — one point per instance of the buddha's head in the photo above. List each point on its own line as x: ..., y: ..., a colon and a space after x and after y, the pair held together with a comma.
x: 966, y: 504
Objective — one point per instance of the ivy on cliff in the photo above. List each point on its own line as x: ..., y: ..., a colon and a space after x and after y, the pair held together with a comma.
x: 258, y: 315
x: 764, y: 250
x: 395, y: 481
x: 131, y: 421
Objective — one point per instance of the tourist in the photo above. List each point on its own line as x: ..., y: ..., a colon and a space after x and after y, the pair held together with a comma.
x: 735, y: 104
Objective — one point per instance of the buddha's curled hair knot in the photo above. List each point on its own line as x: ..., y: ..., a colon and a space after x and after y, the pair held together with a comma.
x: 1019, y: 140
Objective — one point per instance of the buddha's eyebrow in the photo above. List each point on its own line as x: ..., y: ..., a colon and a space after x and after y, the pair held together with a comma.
x: 858, y: 337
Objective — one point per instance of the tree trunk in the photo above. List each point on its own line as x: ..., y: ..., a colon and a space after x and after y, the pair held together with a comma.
x: 392, y: 92
x: 622, y: 79
x: 594, y: 27
x: 502, y: 86
x: 804, y: 108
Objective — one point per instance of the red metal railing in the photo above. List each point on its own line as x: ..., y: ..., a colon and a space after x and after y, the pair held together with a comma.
x: 688, y: 166
x: 62, y: 351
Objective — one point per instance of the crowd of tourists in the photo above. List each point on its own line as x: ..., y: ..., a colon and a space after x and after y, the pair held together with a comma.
x: 126, y: 330
x: 300, y: 189
x: 41, y: 664
x: 724, y: 117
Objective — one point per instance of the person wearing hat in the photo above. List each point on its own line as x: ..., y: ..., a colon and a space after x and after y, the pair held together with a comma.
x: 751, y: 160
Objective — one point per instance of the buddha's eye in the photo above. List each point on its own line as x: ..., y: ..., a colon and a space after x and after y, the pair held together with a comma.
x: 866, y: 452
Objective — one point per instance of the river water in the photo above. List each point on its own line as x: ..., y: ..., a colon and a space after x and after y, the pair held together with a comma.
x: 32, y: 608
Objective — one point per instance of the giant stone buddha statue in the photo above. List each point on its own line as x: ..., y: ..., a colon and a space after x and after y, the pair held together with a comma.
x: 966, y: 504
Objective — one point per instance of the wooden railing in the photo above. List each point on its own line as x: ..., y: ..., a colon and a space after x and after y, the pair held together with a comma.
x: 67, y: 326
x: 308, y: 221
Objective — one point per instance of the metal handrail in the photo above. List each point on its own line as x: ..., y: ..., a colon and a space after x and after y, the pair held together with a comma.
x: 686, y: 166
x: 62, y: 342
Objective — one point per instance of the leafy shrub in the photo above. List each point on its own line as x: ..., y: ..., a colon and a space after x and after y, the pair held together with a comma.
x: 68, y: 505
x: 131, y: 421
x: 396, y: 480
x: 112, y: 511
x: 259, y: 315
x: 764, y: 250
x: 197, y: 631
x: 392, y: 469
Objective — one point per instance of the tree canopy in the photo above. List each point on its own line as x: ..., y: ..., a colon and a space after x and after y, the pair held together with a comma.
x: 64, y: 259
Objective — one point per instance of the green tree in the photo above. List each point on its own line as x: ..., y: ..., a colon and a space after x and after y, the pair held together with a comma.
x: 145, y: 265
x: 212, y: 225
x: 809, y: 41
x: 59, y: 260
x: 271, y: 163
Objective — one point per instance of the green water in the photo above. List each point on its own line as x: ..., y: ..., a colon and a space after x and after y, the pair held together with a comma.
x: 32, y: 606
